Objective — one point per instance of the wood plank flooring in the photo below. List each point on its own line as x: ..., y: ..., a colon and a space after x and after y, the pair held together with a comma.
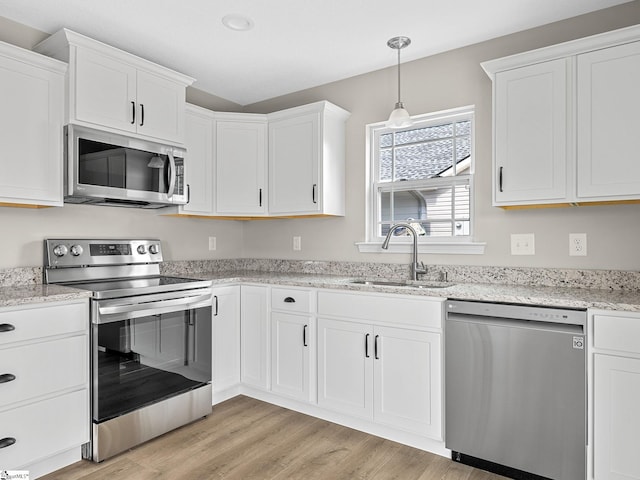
x: 246, y: 439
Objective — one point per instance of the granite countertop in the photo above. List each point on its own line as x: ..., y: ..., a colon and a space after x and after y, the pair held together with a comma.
x: 38, y: 293
x: 623, y: 300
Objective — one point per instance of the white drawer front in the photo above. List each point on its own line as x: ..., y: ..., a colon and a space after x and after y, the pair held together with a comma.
x: 42, y: 320
x: 43, y: 368
x: 44, y: 428
x: 292, y: 300
x: 391, y: 309
x: 617, y: 333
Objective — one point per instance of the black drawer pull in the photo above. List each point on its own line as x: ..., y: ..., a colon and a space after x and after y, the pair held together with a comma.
x: 7, y: 442
x: 7, y: 377
x: 6, y: 327
x: 366, y: 345
x: 375, y: 347
x: 304, y: 336
x: 289, y: 300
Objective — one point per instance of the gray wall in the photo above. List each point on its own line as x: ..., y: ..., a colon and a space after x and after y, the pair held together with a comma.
x: 440, y: 82
x: 444, y: 81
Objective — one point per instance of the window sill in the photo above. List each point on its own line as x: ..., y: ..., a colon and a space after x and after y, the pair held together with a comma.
x: 451, y: 248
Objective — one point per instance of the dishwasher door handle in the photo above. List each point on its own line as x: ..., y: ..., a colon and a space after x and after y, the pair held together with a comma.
x: 516, y: 323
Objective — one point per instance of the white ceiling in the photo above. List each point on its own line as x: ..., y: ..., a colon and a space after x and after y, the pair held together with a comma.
x: 295, y: 44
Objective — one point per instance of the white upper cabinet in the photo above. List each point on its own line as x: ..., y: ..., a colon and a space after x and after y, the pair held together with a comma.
x: 609, y: 122
x: 198, y: 140
x: 32, y: 99
x: 566, y: 123
x: 240, y: 164
x: 112, y: 89
x: 248, y: 165
x: 530, y: 158
x: 307, y: 160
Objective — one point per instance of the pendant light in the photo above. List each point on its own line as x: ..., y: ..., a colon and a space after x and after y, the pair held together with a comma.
x: 399, y: 117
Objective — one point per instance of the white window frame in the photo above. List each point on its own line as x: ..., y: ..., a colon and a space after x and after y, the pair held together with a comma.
x: 442, y: 245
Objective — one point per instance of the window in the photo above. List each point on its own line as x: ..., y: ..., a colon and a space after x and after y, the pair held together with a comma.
x: 422, y: 174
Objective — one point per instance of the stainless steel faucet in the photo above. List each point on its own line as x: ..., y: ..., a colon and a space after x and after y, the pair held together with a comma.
x: 416, y: 268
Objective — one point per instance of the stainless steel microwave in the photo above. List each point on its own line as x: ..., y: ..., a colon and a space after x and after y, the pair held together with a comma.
x: 104, y: 168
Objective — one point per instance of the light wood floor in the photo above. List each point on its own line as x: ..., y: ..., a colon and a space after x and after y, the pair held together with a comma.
x: 246, y: 439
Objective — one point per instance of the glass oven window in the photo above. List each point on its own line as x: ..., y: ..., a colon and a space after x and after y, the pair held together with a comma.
x: 140, y: 361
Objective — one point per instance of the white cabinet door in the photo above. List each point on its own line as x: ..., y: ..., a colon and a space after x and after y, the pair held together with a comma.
x: 291, y: 337
x: 199, y: 161
x: 294, y: 156
x: 407, y: 380
x: 226, y: 338
x: 616, y: 417
x: 530, y: 161
x: 240, y: 176
x: 345, y: 367
x: 161, y: 107
x: 254, y: 336
x: 32, y: 100
x: 608, y: 123
x: 105, y: 91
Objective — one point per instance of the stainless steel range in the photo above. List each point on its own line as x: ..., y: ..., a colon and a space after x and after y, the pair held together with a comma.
x: 150, y: 339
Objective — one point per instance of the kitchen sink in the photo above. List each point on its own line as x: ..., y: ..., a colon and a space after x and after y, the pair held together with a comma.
x: 402, y: 283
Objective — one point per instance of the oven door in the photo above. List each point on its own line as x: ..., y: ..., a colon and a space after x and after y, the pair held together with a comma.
x: 148, y: 348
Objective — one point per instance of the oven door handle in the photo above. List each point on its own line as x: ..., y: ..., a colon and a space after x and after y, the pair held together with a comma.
x: 134, y: 310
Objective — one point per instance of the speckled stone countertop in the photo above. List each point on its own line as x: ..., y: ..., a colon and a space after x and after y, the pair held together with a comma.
x: 27, y: 294
x: 601, y: 289
x: 623, y: 300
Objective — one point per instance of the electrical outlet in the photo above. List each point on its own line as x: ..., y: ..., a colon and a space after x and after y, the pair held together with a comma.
x: 523, y: 244
x: 297, y: 243
x: 578, y: 244
x: 212, y: 243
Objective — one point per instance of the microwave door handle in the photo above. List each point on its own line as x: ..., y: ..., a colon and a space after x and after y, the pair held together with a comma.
x: 172, y: 175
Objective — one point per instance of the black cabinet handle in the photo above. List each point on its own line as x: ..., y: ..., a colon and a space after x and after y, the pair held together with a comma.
x: 7, y: 377
x: 6, y: 327
x: 304, y: 336
x: 500, y: 179
x: 133, y: 113
x: 188, y: 193
x: 141, y: 114
x: 260, y: 197
x: 366, y: 345
x: 216, y: 303
x: 7, y: 442
x: 289, y: 300
x: 313, y: 193
x: 375, y: 348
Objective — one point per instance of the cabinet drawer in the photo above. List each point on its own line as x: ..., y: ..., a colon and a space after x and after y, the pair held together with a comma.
x: 617, y: 333
x: 292, y: 300
x: 404, y: 310
x: 44, y: 428
x: 42, y: 320
x: 43, y: 368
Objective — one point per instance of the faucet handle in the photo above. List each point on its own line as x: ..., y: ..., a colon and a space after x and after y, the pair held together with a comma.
x: 421, y: 268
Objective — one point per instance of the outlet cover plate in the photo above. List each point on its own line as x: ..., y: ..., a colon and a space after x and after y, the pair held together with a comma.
x: 523, y: 244
x: 578, y: 244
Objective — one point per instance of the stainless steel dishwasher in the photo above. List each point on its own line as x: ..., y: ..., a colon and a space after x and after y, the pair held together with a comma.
x: 515, y: 389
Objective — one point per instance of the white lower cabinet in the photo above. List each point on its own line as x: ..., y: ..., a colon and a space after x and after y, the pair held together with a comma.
x: 407, y: 379
x: 254, y: 336
x: 44, y: 396
x: 225, y: 367
x: 375, y: 371
x: 616, y: 396
x: 292, y: 340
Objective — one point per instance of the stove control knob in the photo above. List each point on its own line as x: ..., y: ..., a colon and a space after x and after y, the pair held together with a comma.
x: 142, y: 249
x: 60, y: 250
x: 154, y: 249
x: 76, y: 250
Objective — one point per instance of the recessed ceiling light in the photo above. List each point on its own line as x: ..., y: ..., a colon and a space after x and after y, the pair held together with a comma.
x: 237, y: 22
